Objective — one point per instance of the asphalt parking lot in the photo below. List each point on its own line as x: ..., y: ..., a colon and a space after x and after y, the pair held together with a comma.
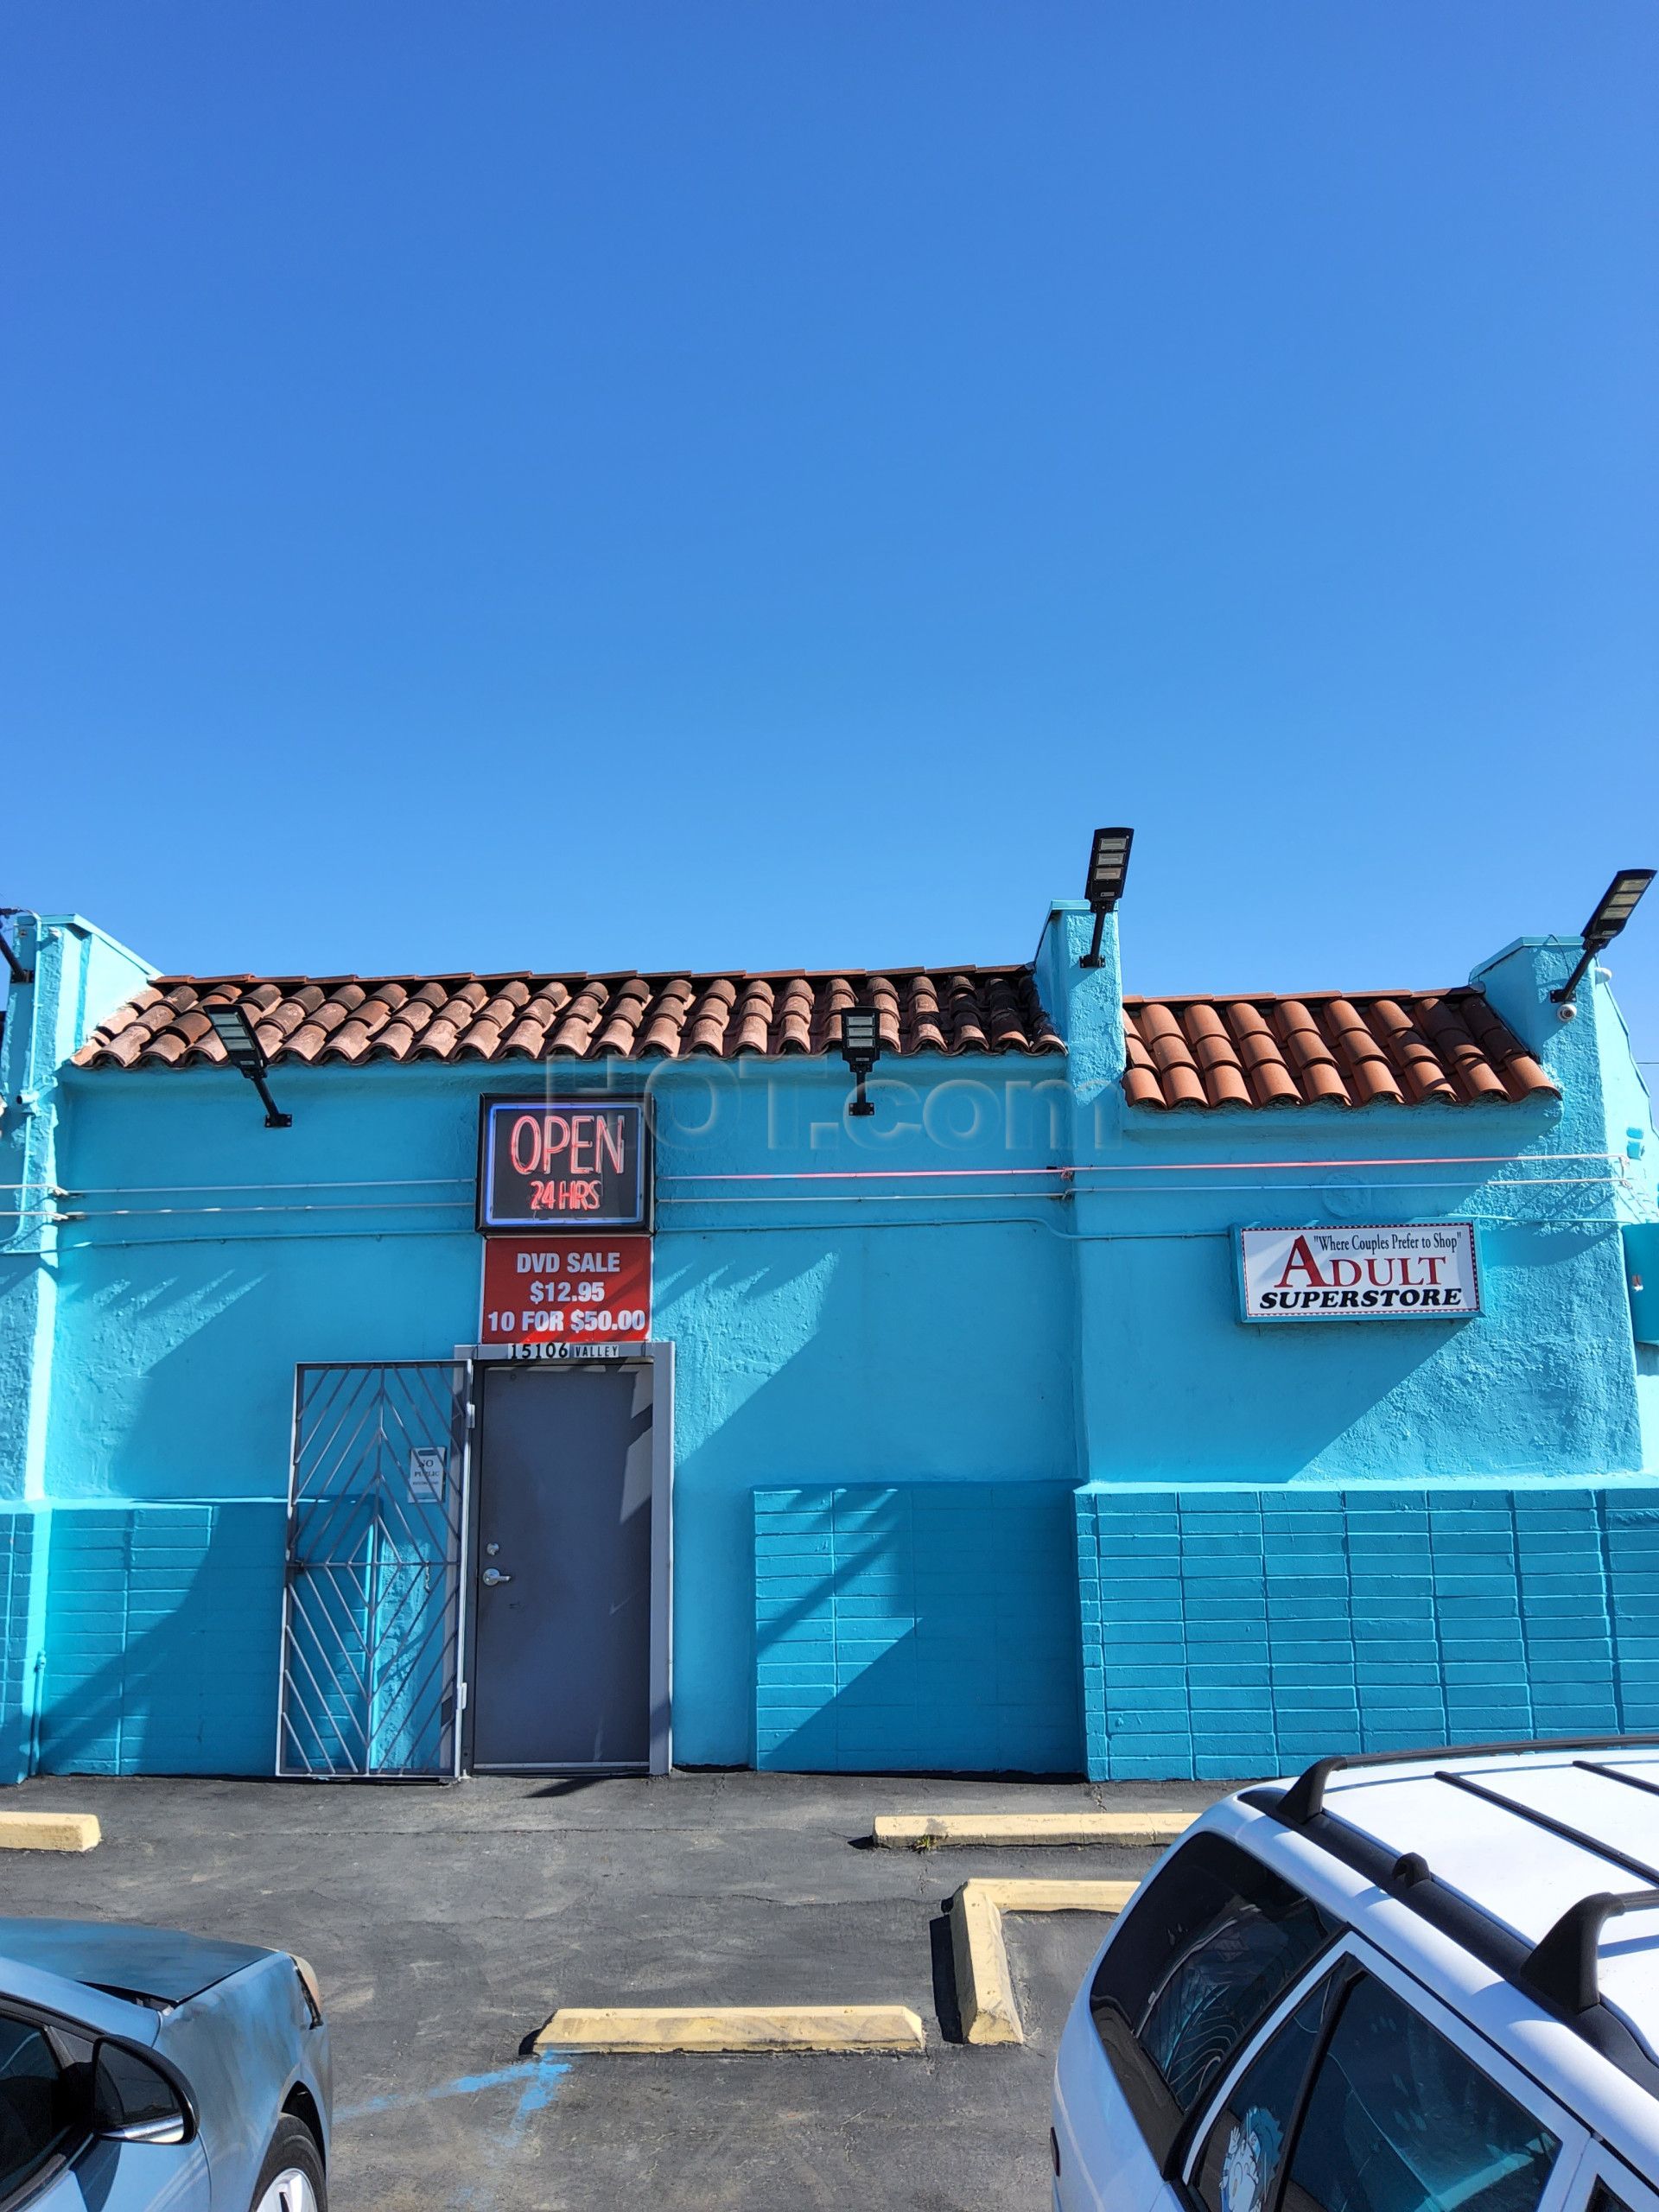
x: 446, y: 1924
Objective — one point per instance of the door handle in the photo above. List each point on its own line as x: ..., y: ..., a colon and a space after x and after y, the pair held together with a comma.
x: 492, y: 1575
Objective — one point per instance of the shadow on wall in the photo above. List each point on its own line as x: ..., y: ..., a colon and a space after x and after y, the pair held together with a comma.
x: 923, y: 1626
x: 174, y: 1376
x: 163, y: 1634
x: 916, y: 1349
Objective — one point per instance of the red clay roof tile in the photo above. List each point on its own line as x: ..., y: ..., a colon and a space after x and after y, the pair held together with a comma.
x: 349, y: 1020
x: 1327, y: 1048
x: 1322, y: 1048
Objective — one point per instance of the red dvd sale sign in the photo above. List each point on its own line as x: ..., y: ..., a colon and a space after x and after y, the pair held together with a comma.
x: 581, y: 1290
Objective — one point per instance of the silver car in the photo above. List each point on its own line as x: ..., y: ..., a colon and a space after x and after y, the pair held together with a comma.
x: 142, y: 2069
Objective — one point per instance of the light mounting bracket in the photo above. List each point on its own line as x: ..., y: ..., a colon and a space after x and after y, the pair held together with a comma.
x: 229, y: 1022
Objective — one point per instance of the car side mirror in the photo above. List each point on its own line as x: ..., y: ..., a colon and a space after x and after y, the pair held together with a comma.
x: 134, y: 2101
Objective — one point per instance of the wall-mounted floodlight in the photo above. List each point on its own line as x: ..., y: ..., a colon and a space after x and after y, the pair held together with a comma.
x: 860, y: 1047
x: 247, y: 1056
x: 1617, y: 904
x: 19, y: 973
x: 1108, y: 864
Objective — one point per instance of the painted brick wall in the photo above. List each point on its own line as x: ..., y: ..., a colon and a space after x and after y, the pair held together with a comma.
x: 163, y: 1628
x: 1237, y: 1631
x: 918, y: 1625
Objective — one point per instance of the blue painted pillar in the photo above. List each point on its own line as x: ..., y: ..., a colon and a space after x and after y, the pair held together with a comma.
x: 1086, y: 1005
x: 79, y: 975
x: 1605, y: 1117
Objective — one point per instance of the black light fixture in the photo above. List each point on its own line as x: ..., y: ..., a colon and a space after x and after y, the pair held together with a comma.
x: 19, y: 973
x: 1614, y: 908
x: 246, y: 1055
x: 1108, y: 864
x: 860, y: 1047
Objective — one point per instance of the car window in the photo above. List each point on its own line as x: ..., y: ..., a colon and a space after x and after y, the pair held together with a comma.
x: 1398, y: 2120
x: 35, y: 2105
x: 1205, y: 1952
x: 1625, y: 2194
x: 1238, y: 2169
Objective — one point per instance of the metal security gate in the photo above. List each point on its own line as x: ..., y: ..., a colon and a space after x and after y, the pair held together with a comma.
x: 372, y: 1604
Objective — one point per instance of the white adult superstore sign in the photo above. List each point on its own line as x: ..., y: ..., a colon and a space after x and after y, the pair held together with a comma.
x: 1365, y: 1271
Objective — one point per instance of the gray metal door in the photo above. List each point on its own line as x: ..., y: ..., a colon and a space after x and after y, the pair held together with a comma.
x: 371, y: 1604
x: 560, y: 1668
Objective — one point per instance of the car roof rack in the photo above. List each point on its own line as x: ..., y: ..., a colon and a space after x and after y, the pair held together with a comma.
x: 1562, y: 1969
x: 1306, y: 1796
x: 1619, y: 1774
x: 1535, y: 1816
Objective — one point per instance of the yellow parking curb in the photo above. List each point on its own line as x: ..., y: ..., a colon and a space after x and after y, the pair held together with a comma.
x: 984, y: 1985
x: 733, y: 2027
x: 49, y: 1832
x: 912, y: 1831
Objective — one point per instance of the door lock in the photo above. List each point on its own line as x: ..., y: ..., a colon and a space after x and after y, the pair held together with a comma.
x: 492, y: 1575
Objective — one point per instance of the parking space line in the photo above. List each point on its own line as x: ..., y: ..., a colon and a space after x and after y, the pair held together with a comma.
x: 49, y: 1832
x: 984, y: 1984
x: 891, y: 2028
x: 922, y: 1831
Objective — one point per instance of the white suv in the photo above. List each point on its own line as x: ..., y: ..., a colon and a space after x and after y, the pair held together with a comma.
x: 1391, y: 1986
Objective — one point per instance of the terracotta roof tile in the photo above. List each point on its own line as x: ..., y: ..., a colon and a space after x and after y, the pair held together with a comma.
x: 1326, y: 1048
x: 351, y: 1020
x: 794, y: 1013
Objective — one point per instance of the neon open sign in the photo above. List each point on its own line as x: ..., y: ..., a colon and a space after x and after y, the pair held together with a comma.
x: 563, y: 1163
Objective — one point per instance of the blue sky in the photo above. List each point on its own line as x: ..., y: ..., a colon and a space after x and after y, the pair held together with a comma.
x: 597, y: 484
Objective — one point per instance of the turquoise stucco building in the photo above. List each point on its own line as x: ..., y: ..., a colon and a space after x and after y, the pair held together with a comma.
x: 957, y: 1451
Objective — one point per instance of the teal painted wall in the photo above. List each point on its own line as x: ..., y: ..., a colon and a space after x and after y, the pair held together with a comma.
x: 162, y: 1625
x: 921, y: 1626
x: 1231, y: 1631
x: 1542, y: 1383
x: 1012, y: 1327
x: 814, y: 1339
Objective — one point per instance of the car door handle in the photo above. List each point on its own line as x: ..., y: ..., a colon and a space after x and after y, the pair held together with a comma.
x: 492, y: 1575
